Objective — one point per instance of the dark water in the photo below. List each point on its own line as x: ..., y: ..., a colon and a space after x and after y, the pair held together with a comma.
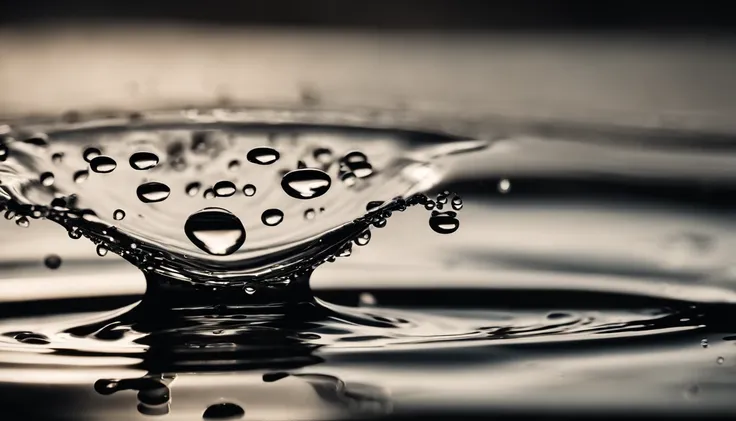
x: 286, y: 268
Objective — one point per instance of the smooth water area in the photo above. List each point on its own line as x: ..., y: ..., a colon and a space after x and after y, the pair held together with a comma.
x: 220, y: 267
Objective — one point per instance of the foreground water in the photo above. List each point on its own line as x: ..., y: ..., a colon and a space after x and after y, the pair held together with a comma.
x: 557, y: 271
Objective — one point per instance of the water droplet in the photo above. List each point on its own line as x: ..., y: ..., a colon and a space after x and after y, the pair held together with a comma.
x: 81, y: 176
x: 47, y: 179
x: 38, y: 139
x: 22, y: 222
x: 75, y: 233
x: 209, y: 194
x: 720, y: 360
x: 58, y: 204
x: 215, y: 231
x: 704, y: 343
x: 444, y: 222
x: 3, y: 152
x: 504, y: 186
x: 457, y: 203
x: 32, y: 338
x: 143, y: 160
x: 373, y: 205
x: 193, y: 188
x: 224, y: 189
x: 224, y: 410
x: 154, y: 394
x: 102, y: 164
x: 364, y: 238
x: 429, y: 205
x: 218, y: 332
x: 9, y: 214
x: 118, y: 215
x: 379, y: 223
x: 310, y: 214
x: 133, y: 246
x: 91, y: 153
x: 354, y: 156
x: 349, y: 179
x: 272, y: 217
x: 307, y: 183
x: 263, y: 155
x: 101, y: 250
x: 152, y: 192
x: 367, y: 299
x: 234, y: 165
x: 249, y: 290
x: 57, y: 157
x: 557, y: 316
x: 249, y: 190
x: 322, y: 155
x: 52, y: 261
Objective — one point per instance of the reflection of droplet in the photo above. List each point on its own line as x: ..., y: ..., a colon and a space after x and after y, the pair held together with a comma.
x: 152, y: 192
x: 504, y: 186
x: 444, y: 222
x: 364, y: 238
x: 263, y: 155
x: 224, y: 188
x: 52, y: 261
x: 102, y: 164
x: 118, y: 215
x: 249, y: 190
x: 309, y: 214
x: 90, y: 153
x: 193, y: 188
x: 272, y: 217
x: 143, y: 160
x: 47, y: 179
x: 215, y: 231
x: 224, y: 410
x: 101, y: 250
x: 80, y: 176
x: 307, y: 183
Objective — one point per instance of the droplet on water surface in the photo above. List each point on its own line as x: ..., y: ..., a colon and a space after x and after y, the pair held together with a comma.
x: 118, y: 215
x: 249, y: 190
x: 152, y: 192
x: 263, y: 155
x: 272, y: 217
x: 103, y: 164
x: 307, y: 183
x: 224, y: 188
x: 143, y: 160
x: 47, y: 179
x: 52, y: 261
x: 215, y: 231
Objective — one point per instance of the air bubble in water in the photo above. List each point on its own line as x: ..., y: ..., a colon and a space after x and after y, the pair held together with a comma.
x: 81, y: 176
x: 364, y: 238
x: 152, y: 192
x: 322, y: 155
x: 101, y: 250
x: 215, y: 231
x: 307, y: 183
x: 249, y: 190
x: 272, y: 217
x: 263, y: 155
x: 429, y: 205
x: 90, y: 153
x: 118, y: 215
x: 193, y: 188
x: 504, y: 186
x: 22, y: 222
x: 52, y: 261
x: 57, y: 157
x: 47, y: 179
x: 143, y: 160
x: 310, y: 214
x: 102, y: 164
x: 223, y: 410
x: 444, y: 222
x: 234, y: 165
x: 224, y: 188
x: 457, y: 203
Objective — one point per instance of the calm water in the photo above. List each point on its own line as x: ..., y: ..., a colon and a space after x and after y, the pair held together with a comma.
x: 277, y: 265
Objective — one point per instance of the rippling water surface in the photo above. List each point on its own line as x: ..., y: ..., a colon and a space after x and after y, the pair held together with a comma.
x: 281, y: 265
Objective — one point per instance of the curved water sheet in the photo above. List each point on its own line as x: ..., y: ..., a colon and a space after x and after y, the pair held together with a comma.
x: 219, y: 203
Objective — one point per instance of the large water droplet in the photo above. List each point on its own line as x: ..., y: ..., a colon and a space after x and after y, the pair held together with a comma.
x: 224, y: 410
x: 272, y: 217
x: 153, y: 192
x: 47, y: 179
x: 81, y: 176
x: 143, y: 160
x: 91, y: 153
x: 52, y: 261
x: 444, y: 222
x: 102, y: 164
x: 307, y: 183
x: 224, y: 188
x: 263, y: 155
x: 249, y: 190
x: 215, y: 231
x: 118, y: 215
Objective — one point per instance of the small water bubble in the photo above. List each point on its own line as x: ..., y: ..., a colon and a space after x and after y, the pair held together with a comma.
x: 102, y: 164
x: 224, y: 188
x: 22, y: 222
x: 193, y: 188
x: 272, y: 217
x: 36, y: 214
x: 47, y: 179
x: 444, y: 222
x: 249, y: 290
x: 101, y: 250
x: 263, y: 155
x: 153, y: 192
x: 322, y: 155
x: 704, y: 343
x: 233, y: 165
x: 366, y: 299
x: 143, y: 160
x: 223, y: 410
x: 209, y: 194
x: 504, y: 186
x: 81, y: 176
x: 52, y: 261
x: 91, y: 153
x: 118, y: 215
x: 215, y: 231
x: 307, y: 183
x: 249, y: 190
x: 720, y: 360
x: 310, y: 214
x: 364, y: 238
x: 57, y: 157
x: 457, y: 203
